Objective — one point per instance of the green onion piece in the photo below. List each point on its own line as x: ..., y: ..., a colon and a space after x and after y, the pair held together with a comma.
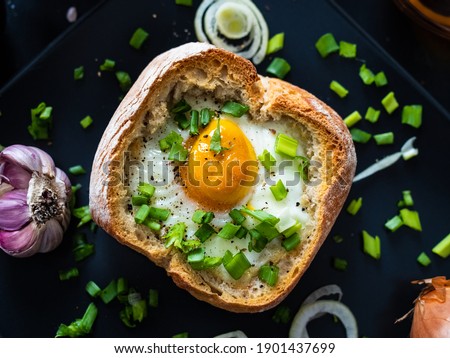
x: 205, y: 116
x: 352, y: 119
x: 194, y: 123
x: 366, y: 75
x: 423, y: 259
x: 78, y: 73
x: 186, y: 246
x: 354, y: 206
x: 126, y: 315
x: 181, y: 107
x: 77, y: 170
x: 207, y: 263
x: 46, y: 113
x: 257, y: 241
x: 146, y: 189
x: 86, y: 122
x: 159, y: 214
x: 267, y: 160
x: 138, y: 200
x: 198, y: 216
x: 41, y: 122
x: 294, y: 229
x: 279, y: 67
x: 153, y: 225
x: 79, y: 327
x: 360, y: 136
x: 228, y: 231
x: 267, y: 231
x: 153, y: 298
x: 372, y: 115
x: 107, y: 65
x: 340, y: 264
x: 175, y: 234
x: 124, y: 80
x: 81, y: 248
x: 139, y: 310
x: 65, y: 275
x: 285, y: 223
x: 291, y: 242
x: 184, y: 3
x: 347, y: 49
x: 241, y: 233
x: 278, y: 190
x: 215, y: 143
x: 138, y: 38
x: 167, y: 142
x: 196, y: 255
x: 269, y: 274
x: 337, y: 88
x: 394, y: 224
x: 286, y: 145
x: 178, y: 153
x: 83, y: 213
x: 407, y: 198
x: 204, y: 232
x: 109, y: 292
x: 235, y: 109
x: 411, y: 219
x: 261, y: 216
x: 282, y: 315
x: 443, y: 247
x: 371, y: 245
x: 412, y: 115
x: 380, y: 79
x: 237, y: 216
x: 326, y: 44
x: 338, y: 239
x: 304, y: 167
x: 182, y: 334
x: 142, y: 214
x: 227, y: 257
x: 92, y: 289
x: 276, y: 43
x: 122, y: 286
x: 384, y: 138
x: 182, y: 120
x: 237, y: 265
x: 389, y: 102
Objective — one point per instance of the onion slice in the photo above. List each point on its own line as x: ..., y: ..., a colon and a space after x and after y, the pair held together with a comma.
x: 323, y: 291
x: 232, y: 334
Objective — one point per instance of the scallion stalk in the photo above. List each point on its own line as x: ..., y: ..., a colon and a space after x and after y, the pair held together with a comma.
x: 257, y: 241
x: 266, y: 159
x: 124, y: 80
x: 181, y: 107
x: 380, y: 79
x: 279, y: 191
x: 204, y: 232
x: 142, y: 214
x: 86, y: 122
x: 77, y: 170
x: 267, y: 231
x: 371, y: 245
x: 237, y: 216
x: 269, y: 274
x: 65, y: 275
x: 194, y: 123
x: 153, y: 298
x: 412, y: 115
x: 138, y: 200
x: 384, y: 138
x: 234, y: 109
x: 326, y: 44
x: 394, y: 223
x: 184, y: 2
x: 175, y: 234
x: 92, y: 289
x: 279, y: 67
x: 178, y: 153
x: 138, y: 38
x: 372, y: 115
x: 340, y: 264
x: 360, y: 136
x: 261, y: 216
x: 237, y: 265
x: 276, y: 43
x: 167, y: 142
x: 78, y: 73
x: 205, y: 116
x: 228, y: 231
x: 337, y: 88
x: 109, y: 292
x: 352, y: 119
x: 159, y: 213
x: 107, y: 65
x: 423, y: 259
x: 389, y: 102
x: 347, y: 49
x: 291, y: 242
x: 407, y: 198
x: 286, y: 145
x: 366, y: 75
x: 443, y: 247
x: 354, y: 206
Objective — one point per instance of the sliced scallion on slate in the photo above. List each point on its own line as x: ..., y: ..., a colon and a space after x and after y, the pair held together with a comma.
x: 41, y: 122
x: 286, y: 145
x: 411, y: 219
x: 394, y: 223
x: 269, y: 274
x: 236, y: 265
x: 380, y: 79
x: 282, y: 315
x: 279, y: 191
x: 65, y: 275
x: 124, y: 80
x: 338, y: 239
x: 366, y: 75
x: 77, y: 170
x: 138, y: 38
x: 266, y: 159
x: 83, y: 213
x: 279, y: 67
x: 354, y: 206
x: 352, y: 119
x: 78, y: 73
x: 92, y: 289
x: 337, y: 88
x: 81, y: 248
x: 389, y: 102
x: 291, y: 242
x: 107, y: 65
x: 372, y: 115
x: 276, y: 43
x: 443, y: 247
x: 371, y: 245
x: 138, y: 200
x: 80, y: 327
x: 142, y: 214
x: 347, y: 49
x: 384, y: 138
x: 407, y: 198
x: 340, y: 264
x: 326, y: 44
x: 86, y: 122
x: 360, y: 136
x: 412, y: 115
x: 423, y: 259
x: 153, y: 298
x: 109, y: 292
x: 234, y: 109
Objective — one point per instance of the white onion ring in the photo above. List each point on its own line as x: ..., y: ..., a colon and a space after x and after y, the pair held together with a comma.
x: 323, y: 291
x: 206, y: 29
x: 232, y: 334
x: 308, y: 312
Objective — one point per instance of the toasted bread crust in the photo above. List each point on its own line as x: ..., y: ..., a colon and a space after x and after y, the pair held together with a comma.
x: 213, y: 70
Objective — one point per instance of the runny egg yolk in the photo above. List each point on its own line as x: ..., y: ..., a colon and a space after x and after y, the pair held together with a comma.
x: 220, y: 181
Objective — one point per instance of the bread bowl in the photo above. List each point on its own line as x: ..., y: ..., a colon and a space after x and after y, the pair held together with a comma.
x: 204, y: 75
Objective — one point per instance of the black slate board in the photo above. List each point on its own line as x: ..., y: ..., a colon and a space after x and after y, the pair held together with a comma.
x: 33, y: 302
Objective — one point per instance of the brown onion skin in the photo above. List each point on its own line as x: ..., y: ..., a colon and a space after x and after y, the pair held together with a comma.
x: 432, y: 313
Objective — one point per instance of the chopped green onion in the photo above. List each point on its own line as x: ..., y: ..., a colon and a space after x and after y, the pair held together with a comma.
x: 108, y: 65
x: 291, y: 242
x: 77, y: 170
x: 138, y: 200
x: 83, y: 213
x: 175, y: 234
x: 394, y: 224
x: 423, y: 259
x: 46, y: 113
x: 124, y: 80
x: 153, y: 298
x: 380, y: 79
x: 294, y: 229
x: 81, y: 248
x: 202, y: 217
x: 167, y: 142
x: 205, y: 116
x: 187, y: 246
x: 178, y: 153
x: 196, y: 255
x: 181, y: 107
x: 279, y: 191
x: 304, y: 167
x: 184, y: 3
x: 269, y: 274
x: 340, y: 90
x: 241, y: 233
x: 78, y: 73
x: 261, y: 216
x: 384, y: 138
x: 338, y: 239
x: 142, y: 214
x: 122, y: 286
x: 237, y: 265
x: 389, y: 102
x: 207, y: 263
x: 371, y: 245
x: 228, y: 231
x: 352, y: 119
x: 92, y: 289
x: 215, y: 143
x: 411, y: 219
x: 159, y: 214
x: 204, y: 232
x: 366, y: 75
x: 347, y: 49
x: 138, y: 38
x: 68, y: 274
x: 79, y: 327
x: 257, y: 241
x: 279, y: 67
x: 407, y: 198
x: 372, y: 115
x: 443, y: 247
x: 41, y: 122
x: 109, y: 292
x: 194, y: 123
x: 237, y: 216
x: 282, y: 315
x: 276, y: 43
x: 146, y: 189
x: 139, y: 309
x: 153, y: 225
x: 266, y: 159
x: 86, y: 122
x: 340, y: 264
x: 412, y: 115
x: 286, y: 145
x: 326, y: 44
x: 235, y: 109
x: 267, y: 231
x: 182, y: 120
x: 354, y: 206
x: 182, y: 334
x: 360, y: 136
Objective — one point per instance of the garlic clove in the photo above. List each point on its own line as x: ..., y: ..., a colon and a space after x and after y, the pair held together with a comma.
x: 14, y: 212
x: 29, y: 158
x: 48, y: 165
x: 4, y: 188
x: 16, y: 176
x: 51, y: 236
x: 19, y: 241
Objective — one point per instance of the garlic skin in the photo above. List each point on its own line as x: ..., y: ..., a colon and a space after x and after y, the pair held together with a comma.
x: 34, y: 201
